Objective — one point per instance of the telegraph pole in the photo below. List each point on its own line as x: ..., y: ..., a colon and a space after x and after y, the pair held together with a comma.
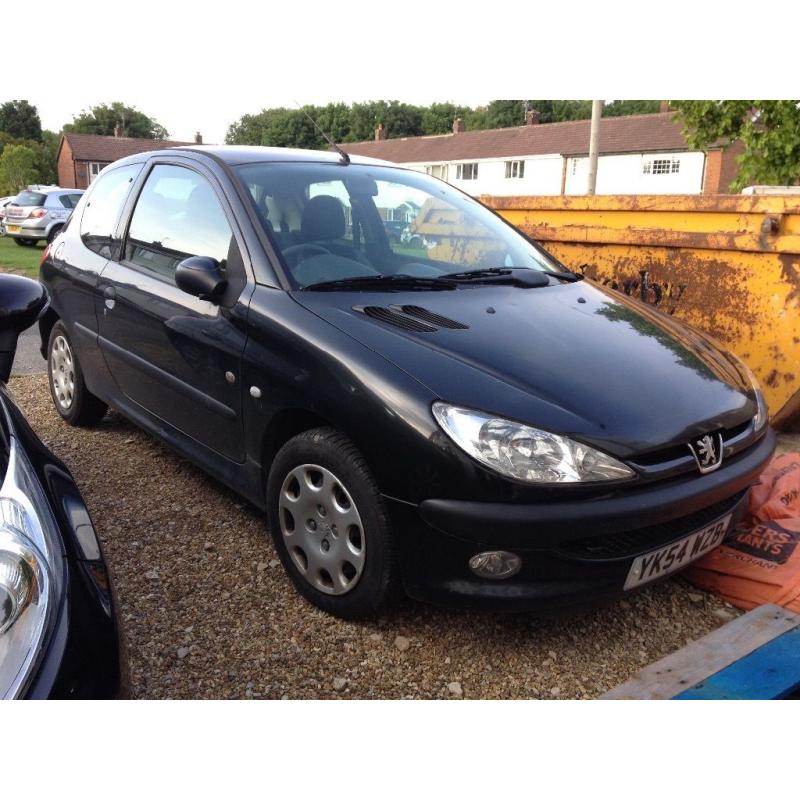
x: 594, y: 139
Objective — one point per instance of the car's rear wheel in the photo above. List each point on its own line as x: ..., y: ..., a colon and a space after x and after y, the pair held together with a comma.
x: 73, y: 401
x: 53, y: 233
x: 25, y: 242
x: 330, y: 525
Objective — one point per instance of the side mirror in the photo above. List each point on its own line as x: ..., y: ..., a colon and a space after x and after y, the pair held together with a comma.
x: 200, y: 276
x: 22, y: 302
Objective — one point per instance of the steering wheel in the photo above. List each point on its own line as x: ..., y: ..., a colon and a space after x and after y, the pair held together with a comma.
x: 291, y: 254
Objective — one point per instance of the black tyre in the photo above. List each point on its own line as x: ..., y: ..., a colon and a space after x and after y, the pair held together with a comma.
x: 25, y: 242
x: 54, y: 231
x: 330, y: 525
x: 73, y: 401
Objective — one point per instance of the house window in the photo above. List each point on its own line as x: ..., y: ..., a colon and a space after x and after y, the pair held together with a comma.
x: 94, y: 169
x: 467, y: 172
x: 437, y: 171
x: 661, y: 166
x: 515, y: 169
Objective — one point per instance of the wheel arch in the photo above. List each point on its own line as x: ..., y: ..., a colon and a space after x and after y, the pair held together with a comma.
x: 287, y: 423
x: 46, y: 323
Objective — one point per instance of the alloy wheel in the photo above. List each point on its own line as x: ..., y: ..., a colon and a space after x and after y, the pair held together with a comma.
x: 62, y: 372
x: 322, y: 529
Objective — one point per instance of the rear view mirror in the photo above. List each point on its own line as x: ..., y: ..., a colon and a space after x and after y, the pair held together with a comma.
x: 361, y: 185
x: 22, y: 302
x: 200, y: 276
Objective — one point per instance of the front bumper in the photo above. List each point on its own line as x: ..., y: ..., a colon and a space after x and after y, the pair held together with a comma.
x: 574, y: 553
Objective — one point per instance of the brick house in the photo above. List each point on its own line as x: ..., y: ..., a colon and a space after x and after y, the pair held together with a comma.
x: 639, y: 154
x: 81, y: 156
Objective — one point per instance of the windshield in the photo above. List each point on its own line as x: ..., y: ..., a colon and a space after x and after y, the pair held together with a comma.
x: 29, y: 199
x: 332, y: 222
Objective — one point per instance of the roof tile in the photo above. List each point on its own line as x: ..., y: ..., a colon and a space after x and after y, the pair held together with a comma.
x: 93, y: 147
x: 633, y: 134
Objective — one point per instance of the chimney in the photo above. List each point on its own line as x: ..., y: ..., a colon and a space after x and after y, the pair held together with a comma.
x: 532, y: 117
x: 198, y: 138
x: 380, y: 133
x: 118, y: 132
x: 458, y: 125
x: 663, y: 106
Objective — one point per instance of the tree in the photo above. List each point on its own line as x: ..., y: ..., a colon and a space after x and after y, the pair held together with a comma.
x: 17, y: 168
x: 287, y: 127
x: 103, y: 118
x: 20, y: 119
x: 769, y: 131
x: 622, y: 108
x: 438, y: 117
x: 44, y: 152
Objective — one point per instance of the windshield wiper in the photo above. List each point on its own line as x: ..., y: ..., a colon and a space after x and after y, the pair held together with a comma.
x: 511, y: 275
x: 522, y: 277
x: 382, y: 282
x: 475, y: 274
x: 570, y: 277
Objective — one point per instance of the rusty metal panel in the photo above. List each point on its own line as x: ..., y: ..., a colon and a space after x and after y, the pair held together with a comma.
x: 726, y: 264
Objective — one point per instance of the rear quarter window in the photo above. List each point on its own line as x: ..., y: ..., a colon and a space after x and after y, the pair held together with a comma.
x: 103, y: 208
x: 69, y: 200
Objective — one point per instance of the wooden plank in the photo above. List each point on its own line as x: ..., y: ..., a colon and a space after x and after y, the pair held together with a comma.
x: 771, y: 672
x: 711, y: 654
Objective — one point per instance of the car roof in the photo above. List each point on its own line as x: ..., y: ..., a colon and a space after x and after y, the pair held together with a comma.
x: 235, y: 155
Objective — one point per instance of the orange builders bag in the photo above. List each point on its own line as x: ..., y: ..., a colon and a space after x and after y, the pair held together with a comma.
x: 760, y: 563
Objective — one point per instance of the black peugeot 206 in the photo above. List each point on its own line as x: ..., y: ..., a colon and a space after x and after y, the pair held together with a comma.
x: 450, y: 411
x: 58, y: 637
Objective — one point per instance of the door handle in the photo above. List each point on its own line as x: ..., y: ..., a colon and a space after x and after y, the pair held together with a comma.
x: 110, y: 295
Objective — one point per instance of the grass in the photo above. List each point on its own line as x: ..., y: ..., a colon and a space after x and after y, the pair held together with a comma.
x: 20, y: 260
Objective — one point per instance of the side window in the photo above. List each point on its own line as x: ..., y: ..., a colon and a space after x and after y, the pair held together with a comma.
x: 177, y: 215
x: 101, y: 212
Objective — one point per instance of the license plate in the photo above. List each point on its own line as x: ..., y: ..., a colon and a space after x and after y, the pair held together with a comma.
x: 13, y: 228
x: 674, y: 556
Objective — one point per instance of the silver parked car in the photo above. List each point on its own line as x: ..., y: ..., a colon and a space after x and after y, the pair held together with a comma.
x: 4, y: 201
x: 39, y: 212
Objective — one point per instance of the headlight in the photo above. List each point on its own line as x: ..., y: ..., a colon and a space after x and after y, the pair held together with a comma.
x: 762, y: 413
x: 524, y: 453
x: 31, y: 571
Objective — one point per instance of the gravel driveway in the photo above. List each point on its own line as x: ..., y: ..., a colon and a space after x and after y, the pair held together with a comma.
x: 207, y: 611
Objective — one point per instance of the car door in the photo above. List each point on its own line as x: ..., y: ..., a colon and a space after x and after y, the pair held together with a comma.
x: 174, y: 355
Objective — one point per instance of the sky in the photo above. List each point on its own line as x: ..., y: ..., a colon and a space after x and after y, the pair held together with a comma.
x: 199, y: 66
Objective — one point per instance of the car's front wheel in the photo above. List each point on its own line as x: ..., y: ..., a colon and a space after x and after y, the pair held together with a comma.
x: 330, y: 525
x: 73, y: 401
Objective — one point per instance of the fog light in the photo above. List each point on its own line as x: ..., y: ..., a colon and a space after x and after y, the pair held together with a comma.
x: 495, y: 564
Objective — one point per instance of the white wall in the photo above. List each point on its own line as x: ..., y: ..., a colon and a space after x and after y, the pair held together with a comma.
x: 542, y: 176
x: 624, y: 174
x: 618, y: 174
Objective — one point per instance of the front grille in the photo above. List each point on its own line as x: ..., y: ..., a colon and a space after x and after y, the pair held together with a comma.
x: 667, y: 454
x: 626, y: 544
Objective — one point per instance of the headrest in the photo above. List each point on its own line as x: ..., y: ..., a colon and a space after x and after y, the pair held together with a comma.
x: 323, y: 218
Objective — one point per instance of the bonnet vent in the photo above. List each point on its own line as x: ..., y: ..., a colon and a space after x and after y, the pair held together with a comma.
x: 393, y: 318
x: 412, y: 318
x: 433, y: 319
